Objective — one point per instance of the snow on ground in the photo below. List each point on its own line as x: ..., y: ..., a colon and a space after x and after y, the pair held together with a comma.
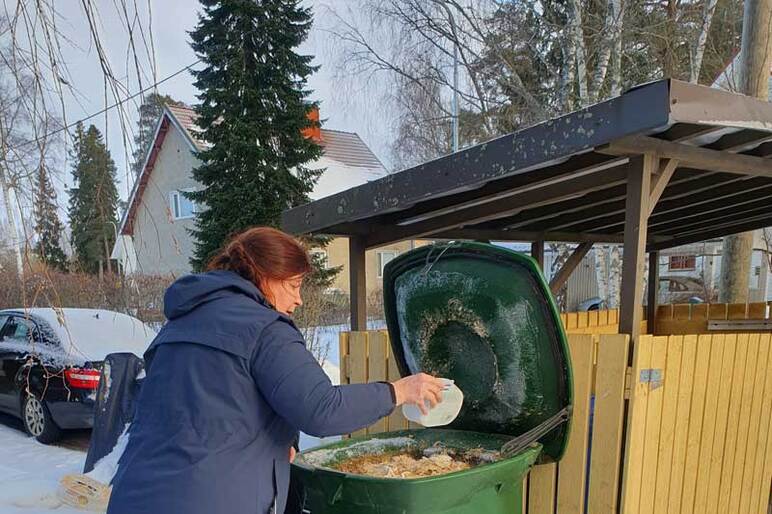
x: 30, y: 473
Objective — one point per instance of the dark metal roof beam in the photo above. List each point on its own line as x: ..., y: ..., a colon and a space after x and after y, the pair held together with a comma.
x: 602, y: 216
x: 662, y: 243
x: 516, y: 235
x: 685, y: 207
x: 548, y: 193
x: 691, y: 156
x: 592, y: 203
x: 711, y: 218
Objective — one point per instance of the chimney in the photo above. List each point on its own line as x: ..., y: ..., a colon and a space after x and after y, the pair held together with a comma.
x: 315, y: 131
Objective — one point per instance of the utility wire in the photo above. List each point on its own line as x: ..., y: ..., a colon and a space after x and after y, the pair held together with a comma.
x: 104, y: 110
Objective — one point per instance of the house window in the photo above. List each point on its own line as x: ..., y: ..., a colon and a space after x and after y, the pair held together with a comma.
x: 383, y: 259
x: 682, y: 262
x: 181, y: 207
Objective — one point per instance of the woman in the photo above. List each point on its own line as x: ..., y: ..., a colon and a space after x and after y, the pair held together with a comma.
x: 230, y: 383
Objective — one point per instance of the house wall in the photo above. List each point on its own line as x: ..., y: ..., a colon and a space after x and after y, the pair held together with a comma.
x: 337, y: 255
x: 163, y: 245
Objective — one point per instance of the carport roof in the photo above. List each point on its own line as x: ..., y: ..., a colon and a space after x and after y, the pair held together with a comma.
x: 565, y: 179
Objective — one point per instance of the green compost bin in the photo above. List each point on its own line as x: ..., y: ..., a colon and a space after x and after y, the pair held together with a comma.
x: 483, y: 316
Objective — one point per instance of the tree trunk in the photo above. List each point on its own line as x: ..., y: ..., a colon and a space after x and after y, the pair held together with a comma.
x: 699, y: 49
x: 10, y: 215
x: 755, y: 60
x: 577, y: 34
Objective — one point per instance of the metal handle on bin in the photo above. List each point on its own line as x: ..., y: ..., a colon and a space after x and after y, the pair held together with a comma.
x: 522, y: 441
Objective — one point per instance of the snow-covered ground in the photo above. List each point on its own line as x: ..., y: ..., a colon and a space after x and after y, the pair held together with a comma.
x: 30, y: 471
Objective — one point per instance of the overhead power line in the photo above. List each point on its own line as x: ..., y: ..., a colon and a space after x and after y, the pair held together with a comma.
x: 104, y: 110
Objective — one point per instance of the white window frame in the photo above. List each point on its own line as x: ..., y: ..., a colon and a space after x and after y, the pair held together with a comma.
x: 174, y: 204
x: 382, y: 264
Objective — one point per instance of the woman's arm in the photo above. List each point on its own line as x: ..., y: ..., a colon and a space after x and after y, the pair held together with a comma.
x: 296, y: 386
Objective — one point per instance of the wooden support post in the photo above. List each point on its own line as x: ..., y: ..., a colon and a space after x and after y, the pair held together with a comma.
x: 561, y: 277
x: 660, y: 182
x: 537, y: 252
x: 653, y: 299
x: 636, y: 219
x: 358, y: 283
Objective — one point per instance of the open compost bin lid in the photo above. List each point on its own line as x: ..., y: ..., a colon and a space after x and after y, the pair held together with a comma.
x: 483, y: 316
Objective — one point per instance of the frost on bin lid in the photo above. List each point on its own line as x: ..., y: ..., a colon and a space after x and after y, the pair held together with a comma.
x: 483, y: 316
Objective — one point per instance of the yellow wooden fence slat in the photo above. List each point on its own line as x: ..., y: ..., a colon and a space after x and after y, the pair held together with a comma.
x: 572, y: 320
x: 603, y: 318
x: 653, y: 424
x: 636, y: 426
x: 718, y: 311
x: 582, y: 319
x: 608, y: 420
x: 753, y: 432
x: 541, y: 489
x: 765, y: 477
x: 709, y: 423
x: 594, y: 318
x: 358, y: 362
x: 613, y: 316
x: 722, y: 422
x: 695, y: 423
x: 757, y: 310
x: 343, y: 354
x: 699, y: 311
x: 669, y: 417
x: 682, y: 311
x: 396, y: 420
x: 737, y: 311
x: 765, y: 427
x: 733, y: 420
x: 681, y: 434
x: 573, y: 467
x: 377, y: 369
x: 745, y: 416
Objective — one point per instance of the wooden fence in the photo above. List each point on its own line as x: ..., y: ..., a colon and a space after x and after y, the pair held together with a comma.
x: 694, y: 413
x: 694, y: 318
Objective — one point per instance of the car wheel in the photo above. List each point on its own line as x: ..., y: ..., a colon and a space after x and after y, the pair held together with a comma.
x: 38, y: 421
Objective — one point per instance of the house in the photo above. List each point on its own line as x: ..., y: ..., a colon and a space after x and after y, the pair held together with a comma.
x: 154, y: 235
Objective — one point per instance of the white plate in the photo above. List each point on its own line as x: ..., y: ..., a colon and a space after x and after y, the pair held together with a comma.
x: 445, y: 411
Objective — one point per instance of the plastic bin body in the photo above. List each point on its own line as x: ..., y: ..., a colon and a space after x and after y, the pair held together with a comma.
x: 489, y: 488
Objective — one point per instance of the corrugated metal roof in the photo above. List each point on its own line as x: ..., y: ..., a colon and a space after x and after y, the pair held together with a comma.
x: 344, y: 147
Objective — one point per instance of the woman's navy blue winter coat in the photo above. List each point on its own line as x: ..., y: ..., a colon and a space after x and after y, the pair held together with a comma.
x: 229, y: 384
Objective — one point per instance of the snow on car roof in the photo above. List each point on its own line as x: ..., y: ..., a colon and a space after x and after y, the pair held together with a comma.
x: 92, y: 334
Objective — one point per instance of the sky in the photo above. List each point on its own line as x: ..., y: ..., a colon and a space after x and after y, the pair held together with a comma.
x: 343, y: 107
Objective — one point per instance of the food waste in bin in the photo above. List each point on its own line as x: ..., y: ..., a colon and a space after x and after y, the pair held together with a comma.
x: 413, y: 462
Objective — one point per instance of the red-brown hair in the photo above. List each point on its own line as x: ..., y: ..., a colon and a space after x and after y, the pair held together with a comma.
x: 262, y: 253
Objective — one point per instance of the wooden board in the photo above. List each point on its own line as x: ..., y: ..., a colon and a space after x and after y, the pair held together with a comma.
x: 636, y: 427
x: 695, y: 423
x: 573, y: 466
x: 377, y: 369
x: 722, y: 423
x: 654, y: 416
x: 608, y: 420
x: 744, y: 423
x: 753, y: 431
x: 668, y: 426
x: 358, y: 363
x: 681, y: 431
x: 709, y: 423
x: 733, y: 420
x: 760, y: 485
x: 541, y: 489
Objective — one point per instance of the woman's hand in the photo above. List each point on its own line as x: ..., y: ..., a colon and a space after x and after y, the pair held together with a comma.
x: 292, y: 454
x: 419, y: 389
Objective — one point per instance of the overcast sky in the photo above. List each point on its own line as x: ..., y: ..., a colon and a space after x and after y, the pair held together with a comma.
x: 344, y: 109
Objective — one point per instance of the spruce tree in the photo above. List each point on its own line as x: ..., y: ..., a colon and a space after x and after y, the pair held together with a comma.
x: 48, y: 226
x: 149, y: 112
x: 252, y: 111
x: 93, y: 201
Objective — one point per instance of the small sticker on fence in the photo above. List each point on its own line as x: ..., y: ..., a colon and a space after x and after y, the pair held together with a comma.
x: 651, y: 376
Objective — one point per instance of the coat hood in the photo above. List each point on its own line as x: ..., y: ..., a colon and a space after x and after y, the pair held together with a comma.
x: 189, y: 292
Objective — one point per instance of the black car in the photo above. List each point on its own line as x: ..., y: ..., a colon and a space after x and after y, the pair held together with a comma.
x: 51, y: 361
